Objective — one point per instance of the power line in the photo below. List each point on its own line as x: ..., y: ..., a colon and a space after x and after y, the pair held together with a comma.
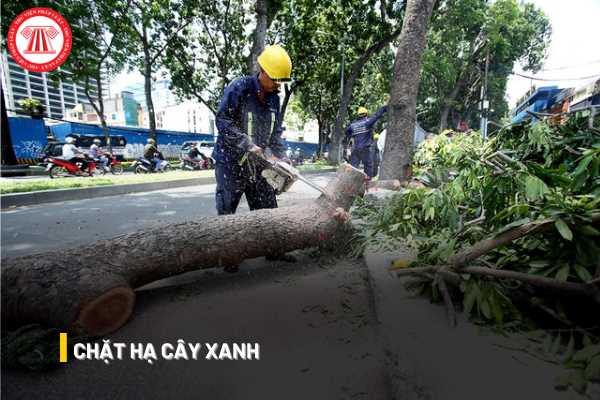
x: 561, y: 79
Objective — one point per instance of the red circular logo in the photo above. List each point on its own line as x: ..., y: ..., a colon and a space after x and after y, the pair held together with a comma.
x: 39, y: 39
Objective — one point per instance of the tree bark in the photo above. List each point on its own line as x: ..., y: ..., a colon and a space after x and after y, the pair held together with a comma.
x: 405, y: 85
x: 288, y: 91
x: 338, y: 130
x: 260, y: 33
x: 148, y: 84
x: 99, y: 108
x: 449, y: 101
x: 89, y: 290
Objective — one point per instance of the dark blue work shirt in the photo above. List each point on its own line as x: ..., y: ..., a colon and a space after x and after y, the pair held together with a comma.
x: 361, y: 130
x: 242, y: 120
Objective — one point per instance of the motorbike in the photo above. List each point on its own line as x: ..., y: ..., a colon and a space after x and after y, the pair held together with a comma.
x: 194, y: 164
x: 144, y: 166
x: 114, y: 166
x: 58, y: 168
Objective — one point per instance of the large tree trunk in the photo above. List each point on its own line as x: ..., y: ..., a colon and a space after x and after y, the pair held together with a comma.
x: 405, y: 85
x: 260, y: 32
x: 148, y: 85
x: 89, y: 289
x: 335, y: 150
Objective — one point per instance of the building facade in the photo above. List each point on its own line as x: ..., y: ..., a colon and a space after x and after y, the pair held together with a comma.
x: 188, y: 116
x: 58, y: 98
x: 119, y: 110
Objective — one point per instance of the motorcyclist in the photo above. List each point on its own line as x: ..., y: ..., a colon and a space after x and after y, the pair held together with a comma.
x: 99, y: 155
x: 195, y: 154
x: 74, y: 154
x: 152, y: 154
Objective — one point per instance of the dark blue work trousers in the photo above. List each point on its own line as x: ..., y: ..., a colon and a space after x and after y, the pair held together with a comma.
x: 365, y: 155
x: 233, y: 181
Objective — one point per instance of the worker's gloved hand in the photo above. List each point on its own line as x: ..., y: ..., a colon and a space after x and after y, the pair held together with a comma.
x: 268, y: 154
x: 256, y: 150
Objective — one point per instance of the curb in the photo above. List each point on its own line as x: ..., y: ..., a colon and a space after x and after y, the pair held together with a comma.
x: 58, y: 195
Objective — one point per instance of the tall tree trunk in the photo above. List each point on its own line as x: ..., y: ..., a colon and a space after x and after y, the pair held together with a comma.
x: 101, y: 111
x: 260, y: 32
x: 99, y: 106
x: 405, y: 86
x: 148, y: 85
x: 8, y: 152
x: 357, y: 66
x: 450, y: 99
x: 90, y: 289
x: 286, y: 97
x: 320, y: 129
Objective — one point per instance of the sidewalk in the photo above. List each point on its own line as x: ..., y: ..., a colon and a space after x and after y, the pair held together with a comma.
x: 427, y: 356
x: 58, y: 195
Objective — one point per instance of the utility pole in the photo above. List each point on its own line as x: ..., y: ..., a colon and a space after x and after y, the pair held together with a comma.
x: 485, y: 104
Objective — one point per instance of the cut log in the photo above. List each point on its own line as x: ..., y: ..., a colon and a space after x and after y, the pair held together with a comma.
x: 395, y: 184
x: 89, y: 289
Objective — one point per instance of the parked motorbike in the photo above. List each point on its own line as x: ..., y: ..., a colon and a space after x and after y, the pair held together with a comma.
x: 194, y: 164
x: 58, y: 168
x: 144, y: 166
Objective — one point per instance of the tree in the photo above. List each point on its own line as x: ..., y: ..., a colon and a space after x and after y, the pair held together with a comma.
x: 462, y: 34
x: 265, y: 11
x: 211, y: 54
x: 152, y: 26
x: 100, y: 50
x: 367, y: 31
x: 405, y: 85
x: 78, y: 289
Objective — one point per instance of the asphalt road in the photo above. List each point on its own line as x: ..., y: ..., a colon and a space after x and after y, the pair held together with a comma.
x: 313, y: 319
x: 33, y: 229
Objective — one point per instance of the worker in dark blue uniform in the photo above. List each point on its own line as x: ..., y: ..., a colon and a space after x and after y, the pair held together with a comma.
x: 249, y: 121
x: 360, y: 132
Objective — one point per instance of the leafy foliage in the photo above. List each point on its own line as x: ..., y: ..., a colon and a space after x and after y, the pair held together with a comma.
x: 462, y: 34
x: 480, y: 189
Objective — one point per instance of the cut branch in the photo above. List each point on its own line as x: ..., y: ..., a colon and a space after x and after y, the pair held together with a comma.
x: 504, y: 238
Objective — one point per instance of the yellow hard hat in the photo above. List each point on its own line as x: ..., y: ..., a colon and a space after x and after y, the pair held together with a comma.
x: 362, y: 111
x: 376, y: 136
x: 276, y: 62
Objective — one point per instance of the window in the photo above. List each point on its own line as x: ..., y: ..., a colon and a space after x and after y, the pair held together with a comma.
x: 17, y: 75
x: 20, y: 91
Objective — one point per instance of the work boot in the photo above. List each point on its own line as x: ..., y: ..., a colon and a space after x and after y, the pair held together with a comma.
x: 231, y: 269
x: 282, y: 257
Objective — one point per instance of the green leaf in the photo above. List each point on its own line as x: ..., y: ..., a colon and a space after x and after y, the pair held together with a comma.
x: 570, y: 348
x: 563, y: 229
x: 469, y: 300
x: 563, y: 273
x: 589, y: 230
x: 555, y: 345
x: 583, y: 273
x: 485, y: 309
x: 587, y: 353
x: 535, y: 188
x: 592, y: 371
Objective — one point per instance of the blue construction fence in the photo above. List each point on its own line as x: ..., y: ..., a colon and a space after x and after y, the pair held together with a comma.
x: 30, y: 136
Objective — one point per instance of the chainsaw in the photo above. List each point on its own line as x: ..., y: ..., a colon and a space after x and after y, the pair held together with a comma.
x: 281, y: 175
